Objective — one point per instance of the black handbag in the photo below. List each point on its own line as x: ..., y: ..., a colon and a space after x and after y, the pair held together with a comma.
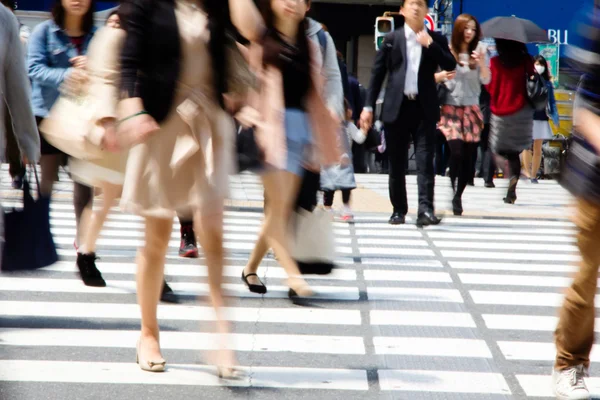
x: 28, y: 240
x: 248, y: 154
x: 373, y: 140
x: 537, y: 91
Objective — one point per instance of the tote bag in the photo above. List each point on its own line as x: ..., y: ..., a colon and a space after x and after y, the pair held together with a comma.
x: 28, y: 241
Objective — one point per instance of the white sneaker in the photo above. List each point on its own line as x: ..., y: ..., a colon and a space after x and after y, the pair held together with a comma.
x: 347, y: 214
x: 568, y: 384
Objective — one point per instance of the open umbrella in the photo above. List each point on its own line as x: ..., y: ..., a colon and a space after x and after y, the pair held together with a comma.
x: 513, y: 28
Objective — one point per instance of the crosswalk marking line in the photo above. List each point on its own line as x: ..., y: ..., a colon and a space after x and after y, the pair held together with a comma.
x: 195, y: 270
x: 525, y: 322
x: 541, y: 385
x: 482, y: 265
x: 391, y: 242
x: 406, y: 276
x: 351, y: 345
x: 532, y: 237
x: 492, y: 255
x: 181, y: 374
x: 443, y: 382
x: 388, y: 233
x: 515, y: 280
x: 395, y: 251
x: 531, y: 230
x: 535, y: 351
x: 180, y: 313
x: 432, y: 347
x: 532, y: 299
x: 181, y: 288
x: 401, y: 263
x: 497, y: 245
x: 414, y: 295
x: 422, y: 318
x: 497, y: 221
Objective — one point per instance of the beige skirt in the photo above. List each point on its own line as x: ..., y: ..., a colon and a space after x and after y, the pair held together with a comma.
x: 92, y: 173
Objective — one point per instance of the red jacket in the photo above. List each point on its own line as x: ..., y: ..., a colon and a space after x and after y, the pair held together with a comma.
x: 507, y: 88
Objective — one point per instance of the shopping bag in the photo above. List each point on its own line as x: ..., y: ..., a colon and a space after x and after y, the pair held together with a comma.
x: 28, y: 241
x: 313, y: 243
x: 69, y: 126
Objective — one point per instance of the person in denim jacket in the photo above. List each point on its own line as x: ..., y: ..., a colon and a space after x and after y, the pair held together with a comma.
x: 57, y: 57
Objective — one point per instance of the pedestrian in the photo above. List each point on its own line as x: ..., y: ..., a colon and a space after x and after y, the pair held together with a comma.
x: 574, y: 335
x: 57, y: 55
x: 462, y: 121
x: 410, y: 55
x: 172, y: 85
x: 15, y: 93
x: 291, y: 69
x: 350, y: 134
x: 541, y: 125
x: 512, y: 115
x: 106, y: 174
x: 488, y: 166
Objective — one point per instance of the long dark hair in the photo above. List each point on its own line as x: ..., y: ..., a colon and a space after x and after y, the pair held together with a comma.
x: 511, y: 53
x: 221, y: 35
x: 541, y: 60
x: 458, y: 33
x: 58, y: 14
x: 272, y: 47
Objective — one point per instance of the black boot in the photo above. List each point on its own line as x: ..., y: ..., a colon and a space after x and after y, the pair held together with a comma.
x: 86, y: 263
x: 167, y: 295
x: 457, y: 205
x: 511, y: 193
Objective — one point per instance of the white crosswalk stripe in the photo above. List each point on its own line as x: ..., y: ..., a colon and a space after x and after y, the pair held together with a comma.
x: 464, y: 310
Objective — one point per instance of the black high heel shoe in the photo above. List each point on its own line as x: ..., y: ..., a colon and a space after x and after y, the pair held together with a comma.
x: 511, y: 194
x: 457, y: 206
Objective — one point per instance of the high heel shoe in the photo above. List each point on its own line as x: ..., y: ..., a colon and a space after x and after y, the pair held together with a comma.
x: 457, y: 206
x: 151, y: 366
x: 510, y: 199
x: 300, y: 291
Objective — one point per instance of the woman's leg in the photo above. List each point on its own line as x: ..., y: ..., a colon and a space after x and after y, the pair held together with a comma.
x: 82, y: 201
x: 150, y: 271
x: 346, y: 195
x: 328, y: 196
x: 49, y: 164
x: 282, y: 188
x: 527, y: 167
x: 93, y: 221
x: 209, y: 228
x: 537, y: 157
x: 514, y: 167
x: 456, y: 161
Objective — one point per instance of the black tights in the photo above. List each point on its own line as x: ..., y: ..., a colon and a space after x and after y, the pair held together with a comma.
x: 461, y: 161
x: 328, y: 197
x: 514, y: 171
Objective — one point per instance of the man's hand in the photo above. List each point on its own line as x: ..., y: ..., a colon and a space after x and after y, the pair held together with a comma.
x: 366, y: 120
x: 424, y: 39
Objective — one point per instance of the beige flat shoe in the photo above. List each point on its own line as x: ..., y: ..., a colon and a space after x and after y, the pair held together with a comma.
x: 151, y: 366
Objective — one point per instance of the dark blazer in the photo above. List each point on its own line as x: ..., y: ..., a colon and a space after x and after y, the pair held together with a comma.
x: 391, y: 59
x: 151, y: 55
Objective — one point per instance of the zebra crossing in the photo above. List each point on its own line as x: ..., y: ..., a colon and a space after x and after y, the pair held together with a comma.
x: 464, y: 310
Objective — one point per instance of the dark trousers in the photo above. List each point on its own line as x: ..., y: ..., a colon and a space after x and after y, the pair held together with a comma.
x: 461, y: 162
x: 442, y: 153
x: 13, y: 154
x: 488, y: 166
x: 411, y: 123
x: 329, y: 195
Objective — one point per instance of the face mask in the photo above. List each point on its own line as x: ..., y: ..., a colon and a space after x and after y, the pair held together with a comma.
x: 540, y: 69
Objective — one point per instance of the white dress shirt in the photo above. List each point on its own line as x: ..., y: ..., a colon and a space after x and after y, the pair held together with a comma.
x: 414, y: 50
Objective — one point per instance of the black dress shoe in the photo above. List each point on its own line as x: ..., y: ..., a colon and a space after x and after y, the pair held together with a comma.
x: 167, y: 295
x: 397, y: 219
x: 490, y: 185
x: 457, y: 207
x: 427, y: 219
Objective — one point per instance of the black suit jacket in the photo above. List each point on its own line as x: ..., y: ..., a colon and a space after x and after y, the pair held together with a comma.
x: 151, y: 55
x: 391, y: 60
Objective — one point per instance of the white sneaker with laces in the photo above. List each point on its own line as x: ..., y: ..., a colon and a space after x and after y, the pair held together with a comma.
x: 569, y: 384
x: 347, y: 214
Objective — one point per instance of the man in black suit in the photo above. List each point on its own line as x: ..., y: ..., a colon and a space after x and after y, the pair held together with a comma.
x: 410, y: 56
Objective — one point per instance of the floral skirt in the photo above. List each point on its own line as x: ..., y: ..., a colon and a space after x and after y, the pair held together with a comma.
x: 461, y: 123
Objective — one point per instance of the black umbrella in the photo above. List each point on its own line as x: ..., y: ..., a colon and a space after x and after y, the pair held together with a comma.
x: 513, y: 28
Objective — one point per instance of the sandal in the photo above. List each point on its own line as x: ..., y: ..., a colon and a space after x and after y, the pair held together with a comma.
x: 259, y: 289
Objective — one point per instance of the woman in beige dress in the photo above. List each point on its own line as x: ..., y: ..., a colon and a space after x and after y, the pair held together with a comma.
x: 172, y: 86
x: 107, y: 173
